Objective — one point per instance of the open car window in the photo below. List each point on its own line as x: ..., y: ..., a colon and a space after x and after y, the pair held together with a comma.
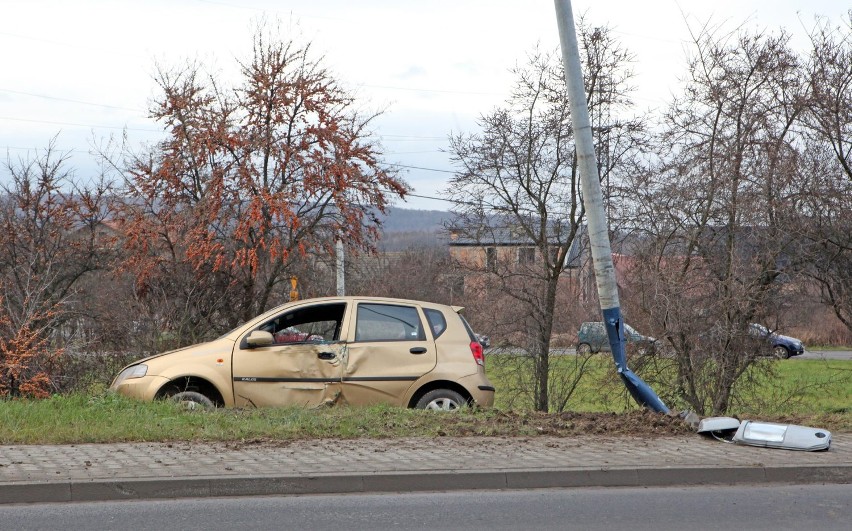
x: 311, y: 324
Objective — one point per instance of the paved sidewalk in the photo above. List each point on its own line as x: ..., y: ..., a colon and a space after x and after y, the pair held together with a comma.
x: 94, y: 472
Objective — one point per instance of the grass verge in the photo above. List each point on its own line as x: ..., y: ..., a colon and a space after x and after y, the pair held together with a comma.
x: 79, y: 419
x: 808, y: 392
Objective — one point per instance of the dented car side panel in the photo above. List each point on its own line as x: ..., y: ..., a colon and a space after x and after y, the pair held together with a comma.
x: 336, y: 365
x: 291, y: 374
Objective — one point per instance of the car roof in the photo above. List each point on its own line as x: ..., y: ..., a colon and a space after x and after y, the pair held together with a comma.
x: 344, y: 299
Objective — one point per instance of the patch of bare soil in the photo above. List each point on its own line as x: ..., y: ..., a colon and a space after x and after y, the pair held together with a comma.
x: 570, y: 424
x: 508, y: 424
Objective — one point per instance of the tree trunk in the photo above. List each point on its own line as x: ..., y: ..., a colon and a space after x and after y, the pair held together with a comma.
x: 542, y: 399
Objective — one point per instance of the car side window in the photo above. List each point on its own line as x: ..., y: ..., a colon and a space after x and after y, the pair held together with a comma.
x: 437, y: 321
x: 311, y: 324
x: 388, y: 322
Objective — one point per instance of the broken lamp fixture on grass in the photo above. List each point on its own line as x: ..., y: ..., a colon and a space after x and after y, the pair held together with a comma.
x: 766, y: 434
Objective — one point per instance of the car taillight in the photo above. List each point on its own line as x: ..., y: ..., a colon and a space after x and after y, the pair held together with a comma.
x: 476, y: 350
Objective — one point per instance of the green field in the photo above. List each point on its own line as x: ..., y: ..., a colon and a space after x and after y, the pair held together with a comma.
x: 797, y: 387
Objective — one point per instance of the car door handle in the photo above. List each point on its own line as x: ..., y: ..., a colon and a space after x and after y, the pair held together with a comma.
x: 417, y: 350
x: 326, y: 355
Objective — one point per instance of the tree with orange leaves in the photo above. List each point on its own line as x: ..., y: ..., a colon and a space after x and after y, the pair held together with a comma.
x: 27, y: 360
x: 49, y: 241
x: 248, y: 181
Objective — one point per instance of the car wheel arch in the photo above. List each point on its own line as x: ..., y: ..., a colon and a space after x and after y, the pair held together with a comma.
x: 438, y: 384
x: 192, y: 383
x: 780, y: 351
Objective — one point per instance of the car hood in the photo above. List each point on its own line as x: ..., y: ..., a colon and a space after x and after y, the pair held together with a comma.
x: 166, y: 353
x: 786, y: 339
x: 197, y: 346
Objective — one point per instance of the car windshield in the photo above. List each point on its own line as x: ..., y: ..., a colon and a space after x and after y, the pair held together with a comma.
x: 759, y: 329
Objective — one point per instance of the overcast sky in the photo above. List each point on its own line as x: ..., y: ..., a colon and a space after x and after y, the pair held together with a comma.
x: 82, y: 69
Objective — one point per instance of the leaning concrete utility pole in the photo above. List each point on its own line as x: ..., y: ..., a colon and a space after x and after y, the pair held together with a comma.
x: 340, y: 266
x: 595, y: 214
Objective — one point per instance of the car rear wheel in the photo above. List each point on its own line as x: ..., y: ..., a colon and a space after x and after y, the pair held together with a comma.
x: 781, y: 352
x: 441, y: 400
x: 584, y: 349
x: 193, y: 400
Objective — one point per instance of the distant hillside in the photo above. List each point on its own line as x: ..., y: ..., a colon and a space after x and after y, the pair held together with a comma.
x: 405, y: 228
x: 406, y: 220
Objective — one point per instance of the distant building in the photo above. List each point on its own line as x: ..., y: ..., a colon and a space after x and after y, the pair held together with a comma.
x: 503, y: 249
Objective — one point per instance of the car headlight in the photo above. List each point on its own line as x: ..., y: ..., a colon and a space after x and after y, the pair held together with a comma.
x: 134, y: 371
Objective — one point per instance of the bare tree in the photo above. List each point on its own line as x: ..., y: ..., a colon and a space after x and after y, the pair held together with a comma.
x: 414, y: 273
x: 518, y: 186
x: 826, y: 215
x: 49, y: 241
x: 717, y: 248
x: 829, y: 77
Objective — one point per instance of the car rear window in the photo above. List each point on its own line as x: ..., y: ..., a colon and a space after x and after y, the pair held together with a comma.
x: 468, y: 328
x: 388, y: 322
x: 437, y: 321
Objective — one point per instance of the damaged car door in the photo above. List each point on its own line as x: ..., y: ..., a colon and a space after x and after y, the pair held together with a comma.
x: 295, y: 358
x: 389, y: 350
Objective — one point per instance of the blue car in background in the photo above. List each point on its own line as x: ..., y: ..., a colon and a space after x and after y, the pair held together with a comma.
x: 592, y: 337
x: 783, y: 346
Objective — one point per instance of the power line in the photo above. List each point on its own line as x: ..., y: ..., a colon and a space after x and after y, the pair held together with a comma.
x: 417, y: 137
x: 445, y: 200
x: 72, y: 124
x: 413, y: 152
x: 418, y: 168
x: 430, y: 197
x: 408, y: 138
x: 389, y: 137
x: 56, y: 98
x: 263, y: 10
x: 19, y: 148
x: 439, y: 91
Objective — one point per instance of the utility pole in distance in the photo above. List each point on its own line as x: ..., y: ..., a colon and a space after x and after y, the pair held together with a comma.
x: 340, y: 266
x: 596, y: 216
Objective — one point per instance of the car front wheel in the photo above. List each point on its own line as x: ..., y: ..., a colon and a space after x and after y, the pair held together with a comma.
x: 193, y: 400
x: 441, y: 400
x: 781, y: 352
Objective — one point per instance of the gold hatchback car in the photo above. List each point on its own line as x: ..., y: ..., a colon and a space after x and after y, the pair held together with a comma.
x: 334, y: 350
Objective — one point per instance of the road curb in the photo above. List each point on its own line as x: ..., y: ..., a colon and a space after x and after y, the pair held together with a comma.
x: 229, y: 486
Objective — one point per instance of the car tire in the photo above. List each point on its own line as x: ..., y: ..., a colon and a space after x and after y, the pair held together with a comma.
x: 584, y: 349
x: 781, y: 352
x: 441, y: 400
x: 192, y: 400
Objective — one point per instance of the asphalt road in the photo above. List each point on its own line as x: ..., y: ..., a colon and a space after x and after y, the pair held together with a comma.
x: 826, y: 355
x: 824, y: 507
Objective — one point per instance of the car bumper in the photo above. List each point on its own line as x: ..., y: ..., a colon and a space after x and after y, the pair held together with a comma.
x: 144, y: 388
x: 480, y: 389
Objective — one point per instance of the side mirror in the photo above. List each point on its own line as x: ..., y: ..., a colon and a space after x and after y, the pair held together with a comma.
x: 259, y: 338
